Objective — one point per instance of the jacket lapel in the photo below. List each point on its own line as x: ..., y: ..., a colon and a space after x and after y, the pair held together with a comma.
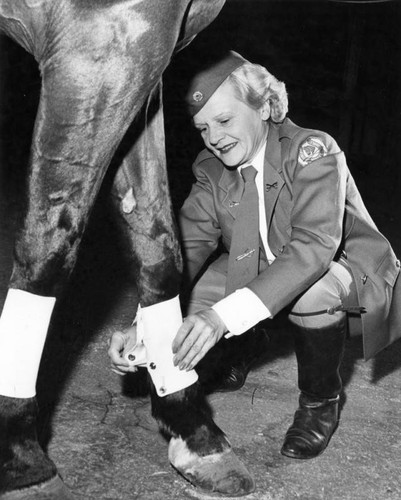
x: 233, y: 186
x: 273, y: 182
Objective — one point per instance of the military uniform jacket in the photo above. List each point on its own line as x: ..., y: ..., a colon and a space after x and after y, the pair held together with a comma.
x: 314, y: 214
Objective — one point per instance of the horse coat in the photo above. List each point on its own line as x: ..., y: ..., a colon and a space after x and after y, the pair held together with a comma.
x: 101, y: 63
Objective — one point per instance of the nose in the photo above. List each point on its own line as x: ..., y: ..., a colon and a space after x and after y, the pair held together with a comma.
x: 215, y: 135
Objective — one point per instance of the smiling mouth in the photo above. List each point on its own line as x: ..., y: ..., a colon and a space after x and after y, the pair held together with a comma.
x: 227, y: 148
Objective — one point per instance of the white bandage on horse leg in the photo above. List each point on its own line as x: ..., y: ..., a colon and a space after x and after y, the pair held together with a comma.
x: 160, y: 324
x: 23, y: 328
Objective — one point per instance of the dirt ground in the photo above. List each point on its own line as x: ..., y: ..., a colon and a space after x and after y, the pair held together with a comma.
x: 341, y: 66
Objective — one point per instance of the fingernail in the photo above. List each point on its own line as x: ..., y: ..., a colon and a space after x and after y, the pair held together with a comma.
x: 182, y: 366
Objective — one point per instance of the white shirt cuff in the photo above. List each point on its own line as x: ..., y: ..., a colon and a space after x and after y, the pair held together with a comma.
x: 240, y: 311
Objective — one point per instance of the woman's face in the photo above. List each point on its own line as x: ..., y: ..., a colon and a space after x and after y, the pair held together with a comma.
x: 232, y: 130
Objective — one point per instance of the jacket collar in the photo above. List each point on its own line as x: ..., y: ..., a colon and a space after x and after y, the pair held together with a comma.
x: 232, y: 184
x: 273, y: 149
x: 273, y: 165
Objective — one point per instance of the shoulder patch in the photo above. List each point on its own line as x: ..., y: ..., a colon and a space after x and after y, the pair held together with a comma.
x: 310, y: 150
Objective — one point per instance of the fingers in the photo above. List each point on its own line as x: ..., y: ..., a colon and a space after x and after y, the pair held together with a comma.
x: 117, y: 344
x: 122, y: 373
x: 198, y: 333
x: 192, y: 346
x: 193, y: 357
x: 130, y: 338
x: 182, y: 333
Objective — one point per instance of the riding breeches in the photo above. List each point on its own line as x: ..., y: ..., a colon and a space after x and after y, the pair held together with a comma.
x: 321, y: 305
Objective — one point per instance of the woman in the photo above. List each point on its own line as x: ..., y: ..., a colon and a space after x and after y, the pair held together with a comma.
x: 309, y: 246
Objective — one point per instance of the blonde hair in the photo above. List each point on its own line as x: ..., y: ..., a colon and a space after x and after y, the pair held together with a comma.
x: 254, y: 85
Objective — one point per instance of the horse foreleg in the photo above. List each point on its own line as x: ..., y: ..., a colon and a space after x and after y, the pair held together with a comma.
x: 198, y: 449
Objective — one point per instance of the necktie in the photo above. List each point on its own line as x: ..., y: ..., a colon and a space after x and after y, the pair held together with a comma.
x: 244, y: 250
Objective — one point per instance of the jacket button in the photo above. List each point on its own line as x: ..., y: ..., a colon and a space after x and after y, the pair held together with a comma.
x: 364, y: 278
x: 397, y: 263
x: 152, y: 366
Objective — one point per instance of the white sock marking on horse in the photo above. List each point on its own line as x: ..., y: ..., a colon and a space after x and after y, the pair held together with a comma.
x: 184, y: 459
x: 23, y: 328
x: 158, y: 326
x: 218, y: 472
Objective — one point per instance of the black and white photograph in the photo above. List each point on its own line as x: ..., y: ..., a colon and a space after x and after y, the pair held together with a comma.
x: 200, y: 243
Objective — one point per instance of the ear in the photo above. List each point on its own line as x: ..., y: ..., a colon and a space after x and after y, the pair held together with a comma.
x: 265, y: 111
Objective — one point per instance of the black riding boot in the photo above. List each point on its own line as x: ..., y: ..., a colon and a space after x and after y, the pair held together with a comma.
x: 226, y: 366
x: 319, y: 353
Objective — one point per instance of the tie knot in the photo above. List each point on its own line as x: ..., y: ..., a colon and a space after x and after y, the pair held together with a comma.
x: 249, y: 173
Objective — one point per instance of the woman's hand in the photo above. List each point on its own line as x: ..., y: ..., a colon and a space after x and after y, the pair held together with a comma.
x: 119, y: 343
x: 198, y: 333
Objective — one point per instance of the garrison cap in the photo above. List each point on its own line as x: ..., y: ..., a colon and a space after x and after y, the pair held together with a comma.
x: 208, y: 80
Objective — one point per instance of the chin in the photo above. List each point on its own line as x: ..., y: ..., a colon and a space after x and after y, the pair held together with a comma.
x: 230, y: 162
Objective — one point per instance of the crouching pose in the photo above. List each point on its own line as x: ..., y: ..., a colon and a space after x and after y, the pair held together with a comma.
x: 298, y: 239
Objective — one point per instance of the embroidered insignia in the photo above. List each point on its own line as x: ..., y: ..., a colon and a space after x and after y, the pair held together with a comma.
x: 312, y: 149
x: 197, y: 96
x: 269, y: 186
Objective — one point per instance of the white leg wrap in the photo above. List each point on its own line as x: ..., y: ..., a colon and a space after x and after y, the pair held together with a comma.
x: 23, y: 328
x: 159, y: 325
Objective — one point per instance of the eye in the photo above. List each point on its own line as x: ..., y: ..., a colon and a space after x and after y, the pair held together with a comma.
x: 224, y: 121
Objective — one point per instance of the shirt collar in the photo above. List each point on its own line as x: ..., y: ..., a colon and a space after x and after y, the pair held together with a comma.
x: 257, y: 162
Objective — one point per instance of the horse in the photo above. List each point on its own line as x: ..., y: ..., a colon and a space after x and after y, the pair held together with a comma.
x: 101, y: 65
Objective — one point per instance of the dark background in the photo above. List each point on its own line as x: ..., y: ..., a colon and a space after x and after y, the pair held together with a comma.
x: 341, y: 65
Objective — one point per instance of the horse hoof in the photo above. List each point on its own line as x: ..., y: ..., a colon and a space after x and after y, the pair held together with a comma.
x: 219, y: 473
x: 53, y: 489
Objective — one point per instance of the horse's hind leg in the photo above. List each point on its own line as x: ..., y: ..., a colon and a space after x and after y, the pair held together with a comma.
x: 60, y: 199
x: 198, y: 449
x: 77, y: 130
